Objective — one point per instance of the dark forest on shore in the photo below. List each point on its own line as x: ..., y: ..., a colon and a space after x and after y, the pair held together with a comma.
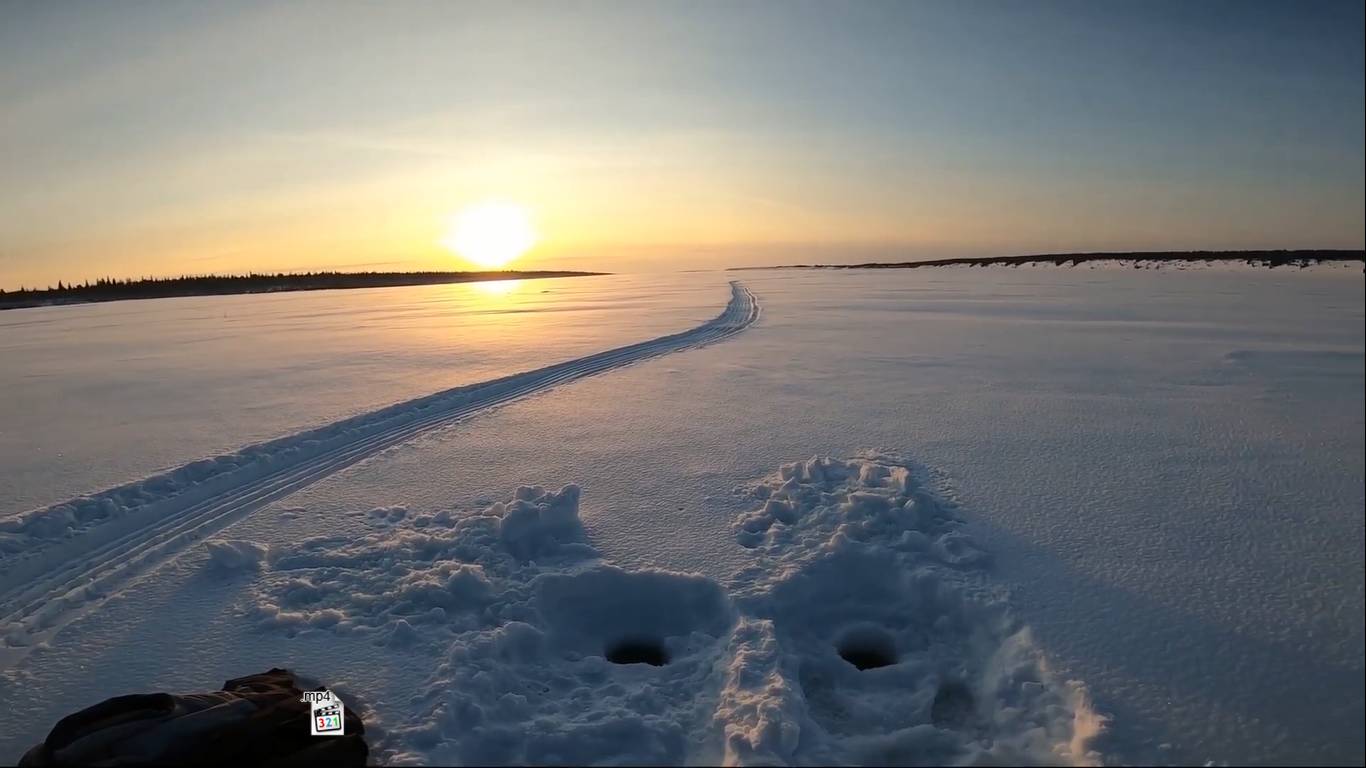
x: 110, y: 289
x: 1282, y: 258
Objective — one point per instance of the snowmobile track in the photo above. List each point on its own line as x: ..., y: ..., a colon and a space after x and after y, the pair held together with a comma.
x: 64, y: 578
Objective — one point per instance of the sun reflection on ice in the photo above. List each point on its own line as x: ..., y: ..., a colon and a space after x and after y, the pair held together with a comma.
x: 497, y: 287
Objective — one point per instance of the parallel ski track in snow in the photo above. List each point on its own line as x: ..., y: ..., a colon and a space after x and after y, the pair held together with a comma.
x: 43, y: 598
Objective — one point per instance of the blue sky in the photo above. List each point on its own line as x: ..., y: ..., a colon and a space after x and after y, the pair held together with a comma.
x: 160, y: 138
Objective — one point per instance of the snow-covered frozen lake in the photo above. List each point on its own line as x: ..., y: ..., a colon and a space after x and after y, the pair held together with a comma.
x: 100, y: 394
x: 1147, y: 482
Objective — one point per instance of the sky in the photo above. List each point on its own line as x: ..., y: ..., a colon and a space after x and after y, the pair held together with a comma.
x: 164, y: 138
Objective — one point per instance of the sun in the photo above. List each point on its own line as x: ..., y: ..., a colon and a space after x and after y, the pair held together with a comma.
x: 491, y: 234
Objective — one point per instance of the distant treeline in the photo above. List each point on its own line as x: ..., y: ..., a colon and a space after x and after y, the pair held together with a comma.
x: 112, y: 289
x: 1301, y: 258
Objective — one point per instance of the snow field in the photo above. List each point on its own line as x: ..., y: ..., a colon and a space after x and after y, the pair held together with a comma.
x: 1164, y: 467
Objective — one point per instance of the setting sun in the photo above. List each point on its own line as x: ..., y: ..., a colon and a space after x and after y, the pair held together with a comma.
x: 491, y: 234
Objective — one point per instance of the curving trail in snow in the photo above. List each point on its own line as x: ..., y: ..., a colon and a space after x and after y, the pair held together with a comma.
x: 59, y: 562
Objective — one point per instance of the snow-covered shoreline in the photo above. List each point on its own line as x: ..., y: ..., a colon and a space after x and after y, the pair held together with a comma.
x: 1232, y: 261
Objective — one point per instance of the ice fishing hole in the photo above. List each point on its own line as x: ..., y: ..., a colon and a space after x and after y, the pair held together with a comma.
x: 867, y: 648
x: 638, y: 651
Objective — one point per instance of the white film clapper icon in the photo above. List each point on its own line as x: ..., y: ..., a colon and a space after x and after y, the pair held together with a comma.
x: 329, y: 714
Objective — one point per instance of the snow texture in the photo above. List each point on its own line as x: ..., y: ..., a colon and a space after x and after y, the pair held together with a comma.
x: 855, y: 558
